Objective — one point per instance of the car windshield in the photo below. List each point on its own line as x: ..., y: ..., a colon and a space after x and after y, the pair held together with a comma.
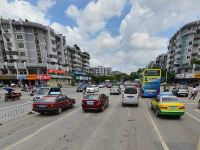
x: 92, y: 96
x: 170, y: 99
x: 43, y: 91
x: 130, y: 91
x: 183, y: 87
x: 47, y: 99
x: 92, y: 86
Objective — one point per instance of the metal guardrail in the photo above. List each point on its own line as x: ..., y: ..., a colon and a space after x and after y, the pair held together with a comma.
x: 15, y: 111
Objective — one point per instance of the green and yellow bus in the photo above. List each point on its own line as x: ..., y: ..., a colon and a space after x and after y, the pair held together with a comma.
x: 150, y: 81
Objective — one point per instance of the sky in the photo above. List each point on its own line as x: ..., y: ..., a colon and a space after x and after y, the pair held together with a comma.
x: 122, y: 34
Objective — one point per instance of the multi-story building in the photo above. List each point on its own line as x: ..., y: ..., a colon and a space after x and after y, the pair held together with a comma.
x: 151, y: 64
x: 184, y: 48
x: 100, y: 70
x: 32, y: 52
x: 161, y: 61
x: 184, y: 52
x: 79, y: 63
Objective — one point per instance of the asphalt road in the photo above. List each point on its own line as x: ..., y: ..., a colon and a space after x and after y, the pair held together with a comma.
x: 117, y: 128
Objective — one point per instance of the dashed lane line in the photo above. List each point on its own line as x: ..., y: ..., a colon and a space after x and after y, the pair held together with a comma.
x: 190, y: 115
x: 39, y: 130
x: 163, y: 143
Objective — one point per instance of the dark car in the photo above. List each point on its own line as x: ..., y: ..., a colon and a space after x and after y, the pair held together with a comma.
x: 53, y: 103
x: 95, y: 102
x: 81, y: 88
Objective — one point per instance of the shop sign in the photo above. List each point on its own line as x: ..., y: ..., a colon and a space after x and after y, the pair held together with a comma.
x: 8, y: 77
x: 58, y: 76
x: 22, y: 77
x: 185, y: 76
x: 197, y: 75
x: 38, y: 77
x: 56, y: 71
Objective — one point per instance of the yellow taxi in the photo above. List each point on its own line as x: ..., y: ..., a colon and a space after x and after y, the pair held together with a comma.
x: 167, y: 105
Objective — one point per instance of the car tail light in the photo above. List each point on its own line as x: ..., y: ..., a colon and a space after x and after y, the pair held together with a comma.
x: 181, y: 107
x: 97, y: 102
x: 83, y: 101
x: 163, y: 107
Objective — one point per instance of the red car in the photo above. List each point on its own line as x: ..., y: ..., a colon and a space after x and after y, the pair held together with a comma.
x: 95, y: 102
x: 53, y: 103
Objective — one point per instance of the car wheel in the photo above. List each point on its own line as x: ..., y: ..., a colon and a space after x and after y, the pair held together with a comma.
x: 41, y: 113
x: 72, y: 105
x: 101, y: 109
x: 136, y: 105
x: 59, y: 111
x: 157, y: 113
x: 151, y: 106
x: 186, y: 95
x: 123, y: 104
x: 18, y: 98
x: 6, y: 99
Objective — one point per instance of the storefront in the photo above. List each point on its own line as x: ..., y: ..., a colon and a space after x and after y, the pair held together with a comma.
x: 8, y: 79
x: 38, y: 79
x: 59, y: 79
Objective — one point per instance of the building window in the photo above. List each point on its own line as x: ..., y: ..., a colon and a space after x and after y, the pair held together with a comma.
x: 189, y: 50
x: 199, y: 49
x: 188, y: 57
x: 18, y: 28
x: 19, y: 37
x: 190, y: 43
x: 189, y: 28
x: 198, y: 56
x: 20, y: 45
x: 22, y: 53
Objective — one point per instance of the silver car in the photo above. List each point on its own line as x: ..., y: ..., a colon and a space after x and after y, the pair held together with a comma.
x: 115, y: 90
x: 130, y: 96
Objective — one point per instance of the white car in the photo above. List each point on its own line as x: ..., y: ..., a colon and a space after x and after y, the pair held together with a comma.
x: 91, y: 89
x: 130, y: 96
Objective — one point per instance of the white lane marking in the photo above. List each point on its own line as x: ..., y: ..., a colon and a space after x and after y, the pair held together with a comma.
x: 39, y: 130
x: 163, y: 143
x: 129, y: 113
x: 192, y: 116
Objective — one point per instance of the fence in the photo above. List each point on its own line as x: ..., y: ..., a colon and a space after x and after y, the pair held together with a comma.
x: 15, y: 111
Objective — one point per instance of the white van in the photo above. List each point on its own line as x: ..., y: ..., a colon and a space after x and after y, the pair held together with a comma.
x: 130, y: 96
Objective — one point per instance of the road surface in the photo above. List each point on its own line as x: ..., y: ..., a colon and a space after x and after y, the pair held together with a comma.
x: 117, y: 128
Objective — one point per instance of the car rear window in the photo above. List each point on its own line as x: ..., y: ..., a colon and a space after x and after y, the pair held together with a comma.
x: 130, y: 91
x: 43, y: 91
x: 92, y: 96
x: 48, y: 99
x: 170, y: 99
x: 54, y: 91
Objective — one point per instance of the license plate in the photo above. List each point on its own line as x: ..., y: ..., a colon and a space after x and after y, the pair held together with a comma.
x: 90, y: 103
x: 173, y: 107
x: 41, y: 106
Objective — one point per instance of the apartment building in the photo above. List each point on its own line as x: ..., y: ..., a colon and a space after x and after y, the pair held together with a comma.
x: 79, y: 63
x: 184, y: 51
x: 151, y: 64
x: 100, y: 70
x: 161, y: 61
x: 32, y: 52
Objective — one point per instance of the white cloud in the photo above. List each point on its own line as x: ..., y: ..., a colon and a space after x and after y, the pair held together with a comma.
x: 45, y: 4
x: 22, y: 10
x: 94, y: 16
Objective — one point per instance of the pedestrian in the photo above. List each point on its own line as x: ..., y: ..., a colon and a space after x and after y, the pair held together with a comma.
x: 194, y: 92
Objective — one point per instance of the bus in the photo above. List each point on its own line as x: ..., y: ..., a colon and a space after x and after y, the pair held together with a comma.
x: 150, y: 81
